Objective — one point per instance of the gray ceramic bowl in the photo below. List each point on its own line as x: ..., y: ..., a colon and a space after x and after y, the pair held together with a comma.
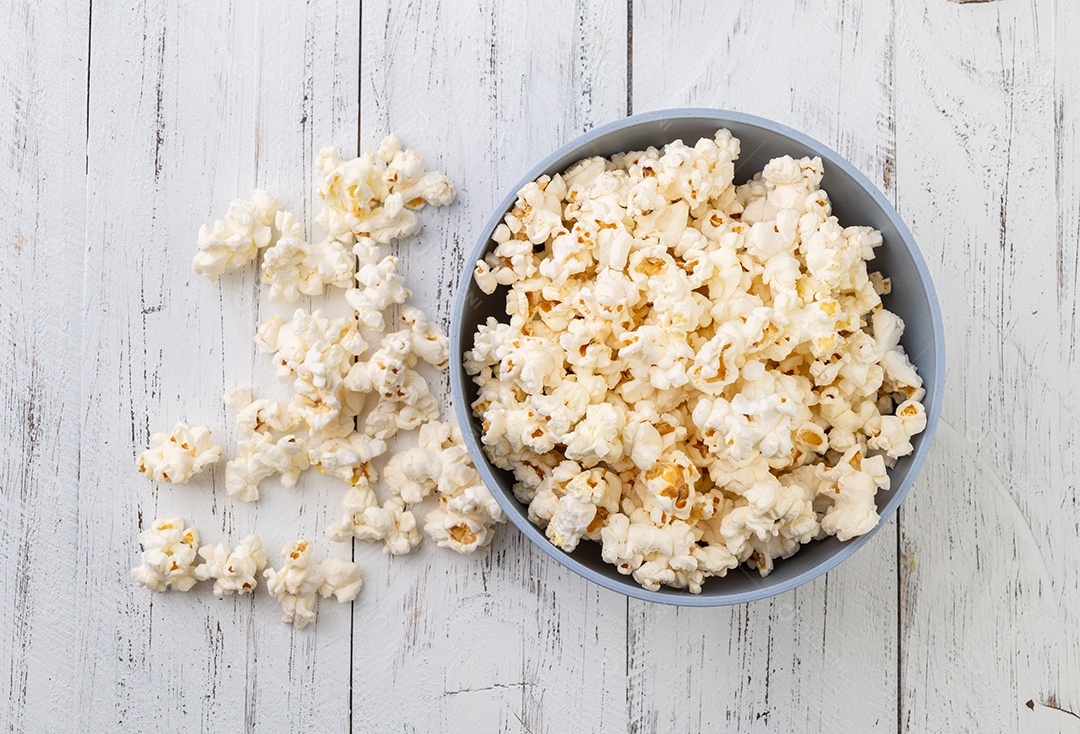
x: 855, y: 201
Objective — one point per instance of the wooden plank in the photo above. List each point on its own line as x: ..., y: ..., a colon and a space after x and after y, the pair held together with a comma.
x: 824, y: 657
x: 989, y: 539
x: 43, y: 48
x: 190, y: 107
x: 509, y: 641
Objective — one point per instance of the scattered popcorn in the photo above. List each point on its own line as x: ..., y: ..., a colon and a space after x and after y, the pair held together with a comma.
x: 365, y: 519
x: 693, y: 373
x: 292, y: 267
x: 258, y: 416
x: 381, y: 287
x: 236, y: 240
x: 300, y: 581
x: 429, y: 342
x: 374, y: 195
x: 260, y: 457
x: 234, y: 571
x: 317, y: 352
x: 341, y: 580
x: 368, y: 202
x: 168, y: 558
x: 176, y: 457
x: 348, y: 458
x: 467, y: 513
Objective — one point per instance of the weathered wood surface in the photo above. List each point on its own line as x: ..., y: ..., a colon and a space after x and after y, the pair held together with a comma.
x: 128, y: 126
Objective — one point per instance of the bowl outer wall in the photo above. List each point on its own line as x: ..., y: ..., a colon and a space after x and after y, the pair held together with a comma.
x: 856, y: 201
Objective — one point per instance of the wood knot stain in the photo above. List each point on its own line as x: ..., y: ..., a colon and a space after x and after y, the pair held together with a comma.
x: 19, y: 240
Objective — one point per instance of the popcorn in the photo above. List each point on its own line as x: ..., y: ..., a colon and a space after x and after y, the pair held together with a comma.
x: 348, y: 458
x: 341, y: 580
x: 236, y: 240
x: 180, y: 455
x: 382, y: 288
x: 168, y: 558
x: 293, y: 267
x: 233, y: 571
x: 851, y: 485
x: 589, y: 497
x: 691, y: 371
x: 300, y: 581
x: 429, y: 342
x: 374, y: 195
x: 413, y: 474
x: 317, y: 352
x: 457, y: 531
x: 385, y: 371
x: 258, y: 416
x: 467, y: 513
x: 260, y: 457
x: 365, y: 519
x: 369, y: 202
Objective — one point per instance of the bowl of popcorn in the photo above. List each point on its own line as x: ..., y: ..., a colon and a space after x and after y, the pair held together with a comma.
x: 697, y: 357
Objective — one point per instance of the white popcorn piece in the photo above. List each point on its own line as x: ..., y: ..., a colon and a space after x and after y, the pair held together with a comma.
x: 457, y: 531
x: 258, y: 416
x: 385, y: 370
x: 234, y: 571
x: 300, y: 581
x: 168, y: 557
x: 429, y: 342
x: 316, y: 352
x: 719, y: 350
x: 382, y: 287
x: 852, y: 485
x: 292, y: 267
x: 590, y: 496
x: 341, y: 580
x: 260, y: 457
x: 365, y: 519
x: 413, y: 474
x: 236, y: 240
x: 176, y: 457
x: 348, y: 458
x: 374, y: 195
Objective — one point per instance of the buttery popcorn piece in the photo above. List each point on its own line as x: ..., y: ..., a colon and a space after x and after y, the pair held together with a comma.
x: 234, y: 571
x: 168, y: 557
x: 292, y: 267
x: 375, y: 194
x: 235, y: 240
x: 178, y: 456
x: 300, y: 581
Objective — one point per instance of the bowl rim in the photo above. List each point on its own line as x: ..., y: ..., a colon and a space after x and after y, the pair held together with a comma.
x: 682, y: 597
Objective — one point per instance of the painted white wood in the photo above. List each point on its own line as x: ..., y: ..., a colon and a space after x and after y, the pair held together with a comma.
x: 43, y: 58
x: 823, y: 658
x: 190, y: 107
x: 509, y: 641
x: 986, y: 155
x: 953, y: 619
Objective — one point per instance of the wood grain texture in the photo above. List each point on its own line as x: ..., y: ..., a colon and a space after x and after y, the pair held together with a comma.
x: 989, y: 548
x: 134, y: 123
x: 509, y: 641
x: 191, y: 107
x: 778, y: 660
x: 42, y: 181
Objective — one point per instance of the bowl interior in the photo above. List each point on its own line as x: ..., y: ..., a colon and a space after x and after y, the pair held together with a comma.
x: 855, y: 202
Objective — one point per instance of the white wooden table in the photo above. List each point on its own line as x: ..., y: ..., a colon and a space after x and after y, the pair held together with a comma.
x: 124, y: 127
